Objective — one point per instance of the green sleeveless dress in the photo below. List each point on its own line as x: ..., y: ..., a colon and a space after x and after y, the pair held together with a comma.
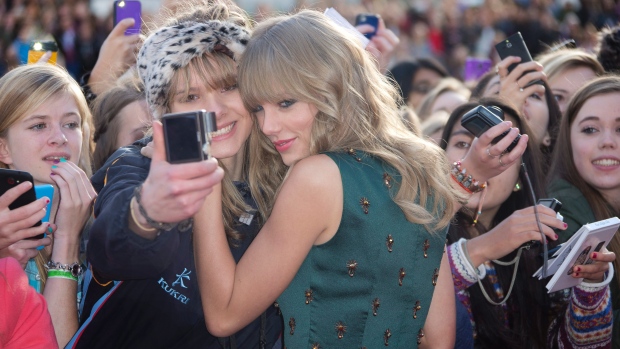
x: 371, y: 285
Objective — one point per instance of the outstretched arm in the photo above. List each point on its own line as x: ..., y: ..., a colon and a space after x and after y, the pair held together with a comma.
x: 307, y: 212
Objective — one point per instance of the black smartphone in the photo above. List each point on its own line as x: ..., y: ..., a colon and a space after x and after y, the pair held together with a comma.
x: 187, y: 135
x: 12, y: 178
x: 480, y: 119
x: 552, y: 203
x: 128, y: 9
x: 370, y: 19
x: 515, y: 46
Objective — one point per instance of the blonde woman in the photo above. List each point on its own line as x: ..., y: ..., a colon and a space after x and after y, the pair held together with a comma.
x: 42, y: 131
x: 568, y: 70
x: 353, y: 244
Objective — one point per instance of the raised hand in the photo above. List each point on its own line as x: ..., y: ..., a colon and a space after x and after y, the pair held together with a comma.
x: 117, y: 54
x: 513, y: 84
x: 519, y: 228
x: 382, y: 45
x: 172, y: 193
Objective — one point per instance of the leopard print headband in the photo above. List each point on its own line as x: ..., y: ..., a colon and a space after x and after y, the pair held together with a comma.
x: 172, y: 48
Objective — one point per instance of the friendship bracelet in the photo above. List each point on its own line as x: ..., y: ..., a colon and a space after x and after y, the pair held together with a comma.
x: 467, y: 182
x: 135, y: 219
x: 60, y: 274
x: 153, y: 223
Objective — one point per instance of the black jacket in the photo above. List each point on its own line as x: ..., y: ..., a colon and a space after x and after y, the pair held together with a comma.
x: 144, y: 294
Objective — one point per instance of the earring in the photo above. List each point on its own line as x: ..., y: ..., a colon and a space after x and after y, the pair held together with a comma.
x: 517, y: 187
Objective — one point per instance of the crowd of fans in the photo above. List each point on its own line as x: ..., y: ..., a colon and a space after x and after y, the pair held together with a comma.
x: 345, y: 167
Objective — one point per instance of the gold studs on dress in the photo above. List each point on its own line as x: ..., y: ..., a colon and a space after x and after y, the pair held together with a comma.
x: 387, y: 180
x: 316, y: 346
x: 277, y: 306
x: 308, y: 295
x: 353, y: 153
x: 420, y: 335
x: 435, y: 276
x: 416, y: 308
x: 401, y: 276
x: 340, y: 329
x: 426, y: 246
x: 352, y: 266
x: 389, y: 242
x: 365, y: 204
x: 386, y: 337
x: 291, y: 324
x: 375, y: 306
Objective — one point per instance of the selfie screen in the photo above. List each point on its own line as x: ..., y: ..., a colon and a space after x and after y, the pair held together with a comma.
x: 181, y: 137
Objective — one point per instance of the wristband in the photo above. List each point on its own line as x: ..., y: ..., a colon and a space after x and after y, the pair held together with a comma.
x: 153, y: 223
x: 135, y: 219
x: 60, y: 274
x: 183, y: 225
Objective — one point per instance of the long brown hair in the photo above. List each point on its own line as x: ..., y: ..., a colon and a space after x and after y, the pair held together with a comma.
x: 216, y: 70
x: 307, y: 57
x: 106, y: 108
x: 563, y: 165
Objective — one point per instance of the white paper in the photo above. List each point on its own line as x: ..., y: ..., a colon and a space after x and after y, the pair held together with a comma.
x: 590, y: 238
x: 337, y: 17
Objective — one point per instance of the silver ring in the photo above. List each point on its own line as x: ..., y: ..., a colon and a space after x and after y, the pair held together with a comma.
x: 521, y: 89
x: 489, y: 153
x: 500, y: 162
x: 497, y: 70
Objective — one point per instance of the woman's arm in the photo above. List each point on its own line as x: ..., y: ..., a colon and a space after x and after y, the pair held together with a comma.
x: 440, y: 327
x: 307, y: 212
x: 76, y: 195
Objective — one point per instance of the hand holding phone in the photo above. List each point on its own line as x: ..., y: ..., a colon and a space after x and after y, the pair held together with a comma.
x: 38, y: 49
x: 480, y: 119
x: 475, y: 68
x: 368, y: 19
x: 187, y: 135
x: 515, y: 46
x: 15, y: 196
x: 128, y: 9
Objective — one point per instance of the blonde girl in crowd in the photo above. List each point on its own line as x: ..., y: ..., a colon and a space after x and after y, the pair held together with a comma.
x: 42, y: 131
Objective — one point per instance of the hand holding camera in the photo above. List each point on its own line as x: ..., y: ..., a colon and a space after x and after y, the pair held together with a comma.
x: 496, y: 147
x: 174, y: 192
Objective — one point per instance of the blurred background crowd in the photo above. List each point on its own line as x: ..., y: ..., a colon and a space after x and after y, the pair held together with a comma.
x: 447, y: 30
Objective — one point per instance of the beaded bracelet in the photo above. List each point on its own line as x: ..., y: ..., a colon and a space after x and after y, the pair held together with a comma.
x: 60, y: 274
x: 76, y: 269
x: 467, y: 182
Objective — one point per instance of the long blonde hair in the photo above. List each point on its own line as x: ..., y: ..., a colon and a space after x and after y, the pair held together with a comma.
x: 28, y: 87
x: 307, y: 57
x: 563, y: 165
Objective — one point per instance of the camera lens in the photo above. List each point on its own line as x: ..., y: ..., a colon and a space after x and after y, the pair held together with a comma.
x: 10, y: 180
x: 508, y: 44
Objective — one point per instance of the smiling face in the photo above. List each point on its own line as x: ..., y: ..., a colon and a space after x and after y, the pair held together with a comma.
x: 595, y: 137
x: 499, y: 187
x: 288, y: 125
x: 45, y: 134
x: 565, y: 83
x: 233, y: 120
